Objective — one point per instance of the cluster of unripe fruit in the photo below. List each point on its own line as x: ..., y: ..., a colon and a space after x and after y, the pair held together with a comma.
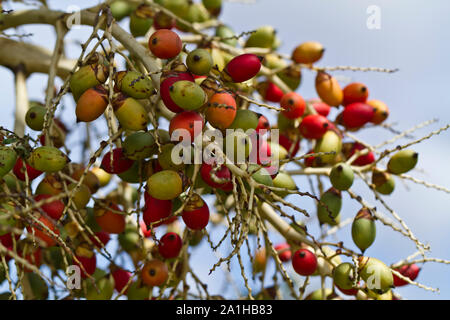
x: 203, y: 86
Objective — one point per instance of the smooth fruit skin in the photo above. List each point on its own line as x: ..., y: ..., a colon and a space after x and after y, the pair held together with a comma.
x: 103, y: 177
x: 356, y: 115
x: 284, y: 180
x: 222, y: 173
x: 383, y: 181
x: 170, y: 245
x: 321, y: 107
x: 155, y: 273
x: 343, y: 276
x: 263, y: 124
x: 304, y: 262
x: 47, y: 159
x: 221, y: 110
x: 89, y: 264
x: 245, y: 120
x: 355, y: 92
x: 363, y: 159
x: 314, y: 126
x: 130, y: 113
x: 54, y: 208
x: 270, y: 91
x: 263, y: 37
x: 196, y: 213
x: 163, y: 21
x: 199, y: 62
x: 410, y: 271
x: 156, y: 210
x: 110, y: 221
x: 190, y: 121
x: 134, y: 84
x: 381, y: 111
x: 120, y: 9
x: 293, y: 105
x: 105, y: 286
x: 403, y: 161
x: 224, y: 31
x: 342, y: 176
x: 119, y: 162
x: 169, y: 159
x: 284, y: 251
x: 288, y: 144
x: 165, y: 44
x: 141, y: 21
x: 329, y: 89
x: 8, y: 159
x: 138, y: 145
x: 42, y: 233
x: 91, y: 104
x: 308, y: 52
x: 166, y: 82
x: 376, y: 273
x: 165, y: 185
x: 121, y: 279
x: 363, y: 229
x: 87, y: 77
x: 330, y: 142
x: 259, y: 261
x: 332, y: 198
x: 35, y: 117
x: 187, y: 95
x: 81, y: 196
x: 242, y: 68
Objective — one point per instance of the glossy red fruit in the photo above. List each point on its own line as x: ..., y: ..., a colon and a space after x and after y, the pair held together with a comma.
x: 270, y: 92
x: 223, y: 173
x: 361, y: 160
x: 355, y: 92
x: 243, y: 67
x: 310, y: 161
x: 190, y: 121
x: 19, y: 171
x: 166, y: 83
x: 264, y: 152
x: 314, y: 126
x: 304, y: 262
x: 321, y: 107
x: 196, y: 213
x: 121, y: 279
x: 109, y: 219
x: 356, y: 115
x: 119, y: 163
x: 42, y: 233
x: 293, y: 104
x: 165, y: 44
x: 263, y: 124
x: 89, y: 264
x: 54, y: 209
x: 156, y: 210
x: 287, y: 143
x: 104, y: 238
x: 7, y: 239
x: 170, y: 245
x: 284, y: 251
x: 410, y: 271
x: 348, y: 292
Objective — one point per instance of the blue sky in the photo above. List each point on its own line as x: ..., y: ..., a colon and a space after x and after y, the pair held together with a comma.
x: 414, y: 38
